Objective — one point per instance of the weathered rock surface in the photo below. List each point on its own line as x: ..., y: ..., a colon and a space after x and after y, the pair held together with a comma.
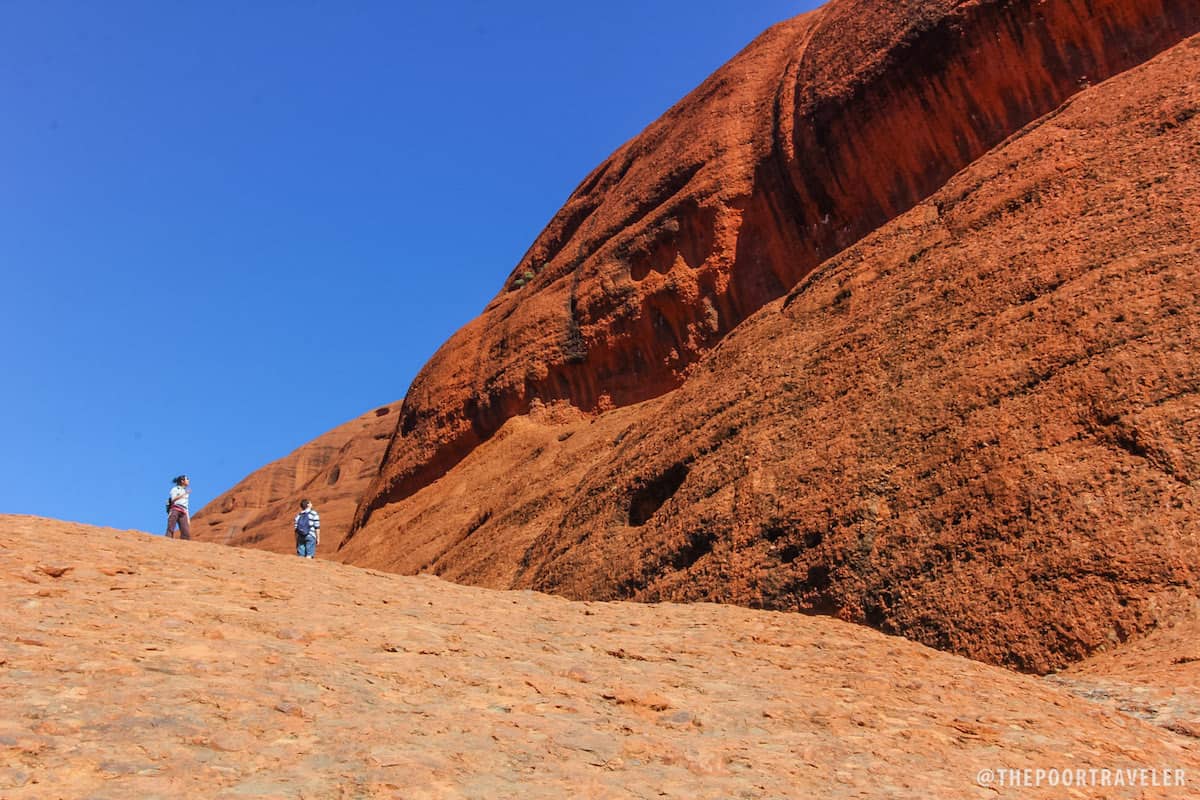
x: 135, y: 666
x: 1156, y: 678
x: 818, y: 132
x: 979, y: 427
x: 333, y: 471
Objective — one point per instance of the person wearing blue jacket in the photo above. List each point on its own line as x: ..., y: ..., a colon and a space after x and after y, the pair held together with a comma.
x: 308, y: 530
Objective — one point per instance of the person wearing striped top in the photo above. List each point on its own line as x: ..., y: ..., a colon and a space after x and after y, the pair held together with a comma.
x: 308, y: 530
x: 177, y: 509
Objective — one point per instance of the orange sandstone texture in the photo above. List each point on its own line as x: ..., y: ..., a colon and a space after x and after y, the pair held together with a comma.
x: 1156, y: 678
x: 332, y: 471
x: 893, y: 444
x: 156, y: 668
x: 978, y: 428
x: 818, y: 132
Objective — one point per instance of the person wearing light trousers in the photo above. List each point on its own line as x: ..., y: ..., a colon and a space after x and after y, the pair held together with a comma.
x: 308, y: 530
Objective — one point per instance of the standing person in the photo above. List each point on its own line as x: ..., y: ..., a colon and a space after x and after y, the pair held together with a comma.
x: 308, y: 530
x: 177, y: 508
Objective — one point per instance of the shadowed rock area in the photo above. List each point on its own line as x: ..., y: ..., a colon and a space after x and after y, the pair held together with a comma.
x: 136, y: 666
x: 723, y: 374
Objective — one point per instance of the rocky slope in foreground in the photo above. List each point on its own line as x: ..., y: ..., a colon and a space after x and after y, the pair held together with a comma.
x: 136, y: 666
x: 979, y: 427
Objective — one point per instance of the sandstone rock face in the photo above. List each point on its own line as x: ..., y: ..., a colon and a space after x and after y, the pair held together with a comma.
x: 1156, y: 679
x: 979, y: 427
x: 140, y: 667
x: 333, y: 471
x: 976, y: 427
x: 818, y: 132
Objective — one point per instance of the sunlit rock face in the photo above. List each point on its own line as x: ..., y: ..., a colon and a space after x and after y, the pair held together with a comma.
x: 821, y: 130
x: 332, y: 471
x: 892, y: 318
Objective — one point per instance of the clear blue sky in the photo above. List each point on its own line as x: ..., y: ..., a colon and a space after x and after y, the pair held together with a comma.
x: 228, y: 227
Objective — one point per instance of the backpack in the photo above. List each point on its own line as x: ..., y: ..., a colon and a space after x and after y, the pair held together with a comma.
x: 169, y: 504
x: 304, y: 523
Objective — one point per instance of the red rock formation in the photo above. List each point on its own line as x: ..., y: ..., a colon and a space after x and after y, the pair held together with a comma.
x: 978, y: 427
x: 818, y: 132
x: 333, y: 470
x: 912, y: 440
